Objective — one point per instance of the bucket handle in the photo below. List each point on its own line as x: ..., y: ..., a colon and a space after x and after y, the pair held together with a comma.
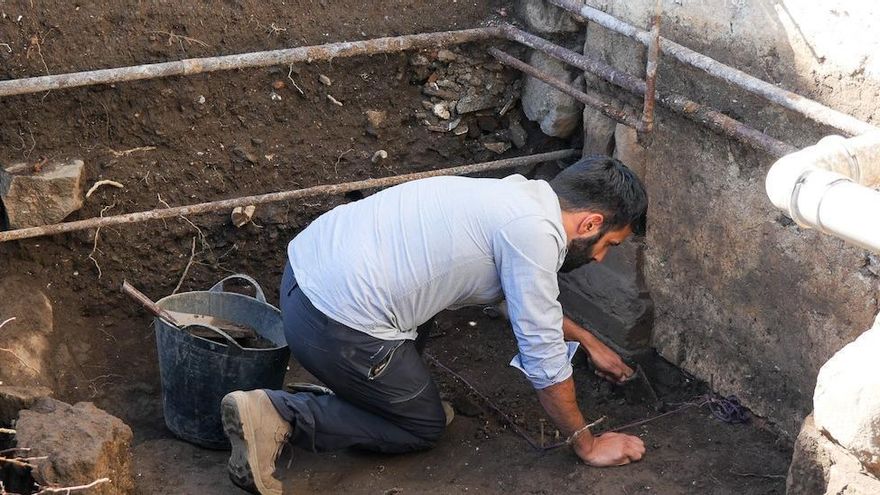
x: 234, y: 347
x: 259, y: 296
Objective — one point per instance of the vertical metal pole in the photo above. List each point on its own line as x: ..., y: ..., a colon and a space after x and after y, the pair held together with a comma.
x: 647, y: 124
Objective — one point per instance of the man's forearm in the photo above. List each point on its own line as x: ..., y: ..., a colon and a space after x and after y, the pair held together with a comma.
x: 561, y: 405
x: 576, y: 333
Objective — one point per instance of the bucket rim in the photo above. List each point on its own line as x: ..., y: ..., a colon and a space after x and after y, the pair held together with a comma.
x: 224, y: 294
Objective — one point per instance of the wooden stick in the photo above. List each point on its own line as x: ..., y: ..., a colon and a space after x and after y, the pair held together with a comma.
x: 67, y: 489
x: 325, y: 190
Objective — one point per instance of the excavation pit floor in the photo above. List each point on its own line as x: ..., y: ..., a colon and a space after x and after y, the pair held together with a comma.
x: 689, y: 451
x: 185, y: 140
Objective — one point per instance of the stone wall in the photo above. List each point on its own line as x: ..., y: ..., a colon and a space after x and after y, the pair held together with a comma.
x: 744, y: 299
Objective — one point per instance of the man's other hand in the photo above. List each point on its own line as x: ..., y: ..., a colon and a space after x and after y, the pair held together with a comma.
x: 608, y: 363
x: 609, y: 449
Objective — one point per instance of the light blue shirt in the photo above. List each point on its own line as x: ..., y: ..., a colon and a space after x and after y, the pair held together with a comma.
x: 388, y: 263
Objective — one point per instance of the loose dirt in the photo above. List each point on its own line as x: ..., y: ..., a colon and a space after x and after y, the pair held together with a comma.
x: 183, y: 140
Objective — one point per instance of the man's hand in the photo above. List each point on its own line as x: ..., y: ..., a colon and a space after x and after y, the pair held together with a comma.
x: 609, y: 449
x: 608, y: 363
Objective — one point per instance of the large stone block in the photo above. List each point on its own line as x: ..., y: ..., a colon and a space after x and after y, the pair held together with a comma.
x: 81, y: 443
x: 557, y: 113
x: 628, y: 150
x: 34, y: 196
x: 847, y: 398
x: 543, y: 17
x: 610, y: 300
x: 622, y: 54
x: 598, y: 132
x: 819, y: 466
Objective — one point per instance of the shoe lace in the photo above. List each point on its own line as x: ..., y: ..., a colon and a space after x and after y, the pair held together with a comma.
x: 282, y: 436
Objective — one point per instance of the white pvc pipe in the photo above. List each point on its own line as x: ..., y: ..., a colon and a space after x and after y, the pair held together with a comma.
x: 829, y: 187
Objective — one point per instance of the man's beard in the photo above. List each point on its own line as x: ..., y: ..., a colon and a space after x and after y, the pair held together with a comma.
x: 580, y: 253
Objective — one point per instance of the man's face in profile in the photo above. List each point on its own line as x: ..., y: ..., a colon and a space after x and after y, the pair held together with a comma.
x: 583, y: 250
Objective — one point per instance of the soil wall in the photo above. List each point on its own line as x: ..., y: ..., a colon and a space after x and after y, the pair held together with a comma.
x: 744, y: 298
x: 184, y: 140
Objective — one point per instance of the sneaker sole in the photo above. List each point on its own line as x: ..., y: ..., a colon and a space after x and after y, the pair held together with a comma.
x: 239, y: 468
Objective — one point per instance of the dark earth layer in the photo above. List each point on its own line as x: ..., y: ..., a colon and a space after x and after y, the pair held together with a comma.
x: 240, y: 141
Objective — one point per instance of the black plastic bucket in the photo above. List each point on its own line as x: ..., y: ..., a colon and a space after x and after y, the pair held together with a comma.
x: 196, y: 372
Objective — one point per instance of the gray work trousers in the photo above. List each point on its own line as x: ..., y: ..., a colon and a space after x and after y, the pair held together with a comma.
x: 384, y: 398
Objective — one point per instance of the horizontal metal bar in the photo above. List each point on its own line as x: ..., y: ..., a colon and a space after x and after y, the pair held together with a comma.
x: 606, y: 108
x: 697, y: 112
x: 804, y: 106
x: 325, y: 190
x: 244, y: 60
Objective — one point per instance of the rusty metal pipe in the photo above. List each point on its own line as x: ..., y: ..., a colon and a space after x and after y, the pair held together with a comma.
x: 682, y: 105
x: 244, y: 60
x: 647, y: 125
x: 325, y: 190
x: 616, y: 114
x: 804, y: 106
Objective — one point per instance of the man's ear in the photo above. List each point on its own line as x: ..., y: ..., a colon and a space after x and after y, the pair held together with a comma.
x: 590, y: 223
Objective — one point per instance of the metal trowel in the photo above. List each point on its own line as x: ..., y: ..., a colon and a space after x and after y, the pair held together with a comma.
x: 639, y: 380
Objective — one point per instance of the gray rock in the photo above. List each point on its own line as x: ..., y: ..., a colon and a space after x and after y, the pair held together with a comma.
x: 542, y: 17
x: 446, y: 56
x: 34, y: 196
x: 461, y: 129
x: 82, y: 444
x: 598, y: 132
x: 475, y: 103
x: 431, y: 89
x: 441, y: 110
x: 14, y: 399
x: 375, y: 121
x: 557, y: 113
x: 447, y: 84
x: 376, y: 118
x: 419, y: 60
x: 498, y: 147
x: 847, y: 398
x: 517, y: 134
x: 600, y: 43
x: 819, y: 466
x: 628, y: 150
x: 445, y: 126
x: 246, y: 155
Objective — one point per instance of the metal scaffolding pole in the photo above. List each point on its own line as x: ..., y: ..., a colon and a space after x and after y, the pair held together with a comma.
x: 647, y: 125
x: 244, y: 60
x: 792, y: 101
x: 697, y: 112
x: 607, y: 109
x: 325, y: 190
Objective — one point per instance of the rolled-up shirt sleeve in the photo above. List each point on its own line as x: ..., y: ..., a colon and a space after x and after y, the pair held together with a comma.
x: 527, y: 255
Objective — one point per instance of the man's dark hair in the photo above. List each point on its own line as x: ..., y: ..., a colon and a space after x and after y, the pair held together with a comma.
x: 607, y: 186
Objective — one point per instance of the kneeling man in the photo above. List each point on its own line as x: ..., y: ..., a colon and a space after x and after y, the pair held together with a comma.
x: 364, y: 277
